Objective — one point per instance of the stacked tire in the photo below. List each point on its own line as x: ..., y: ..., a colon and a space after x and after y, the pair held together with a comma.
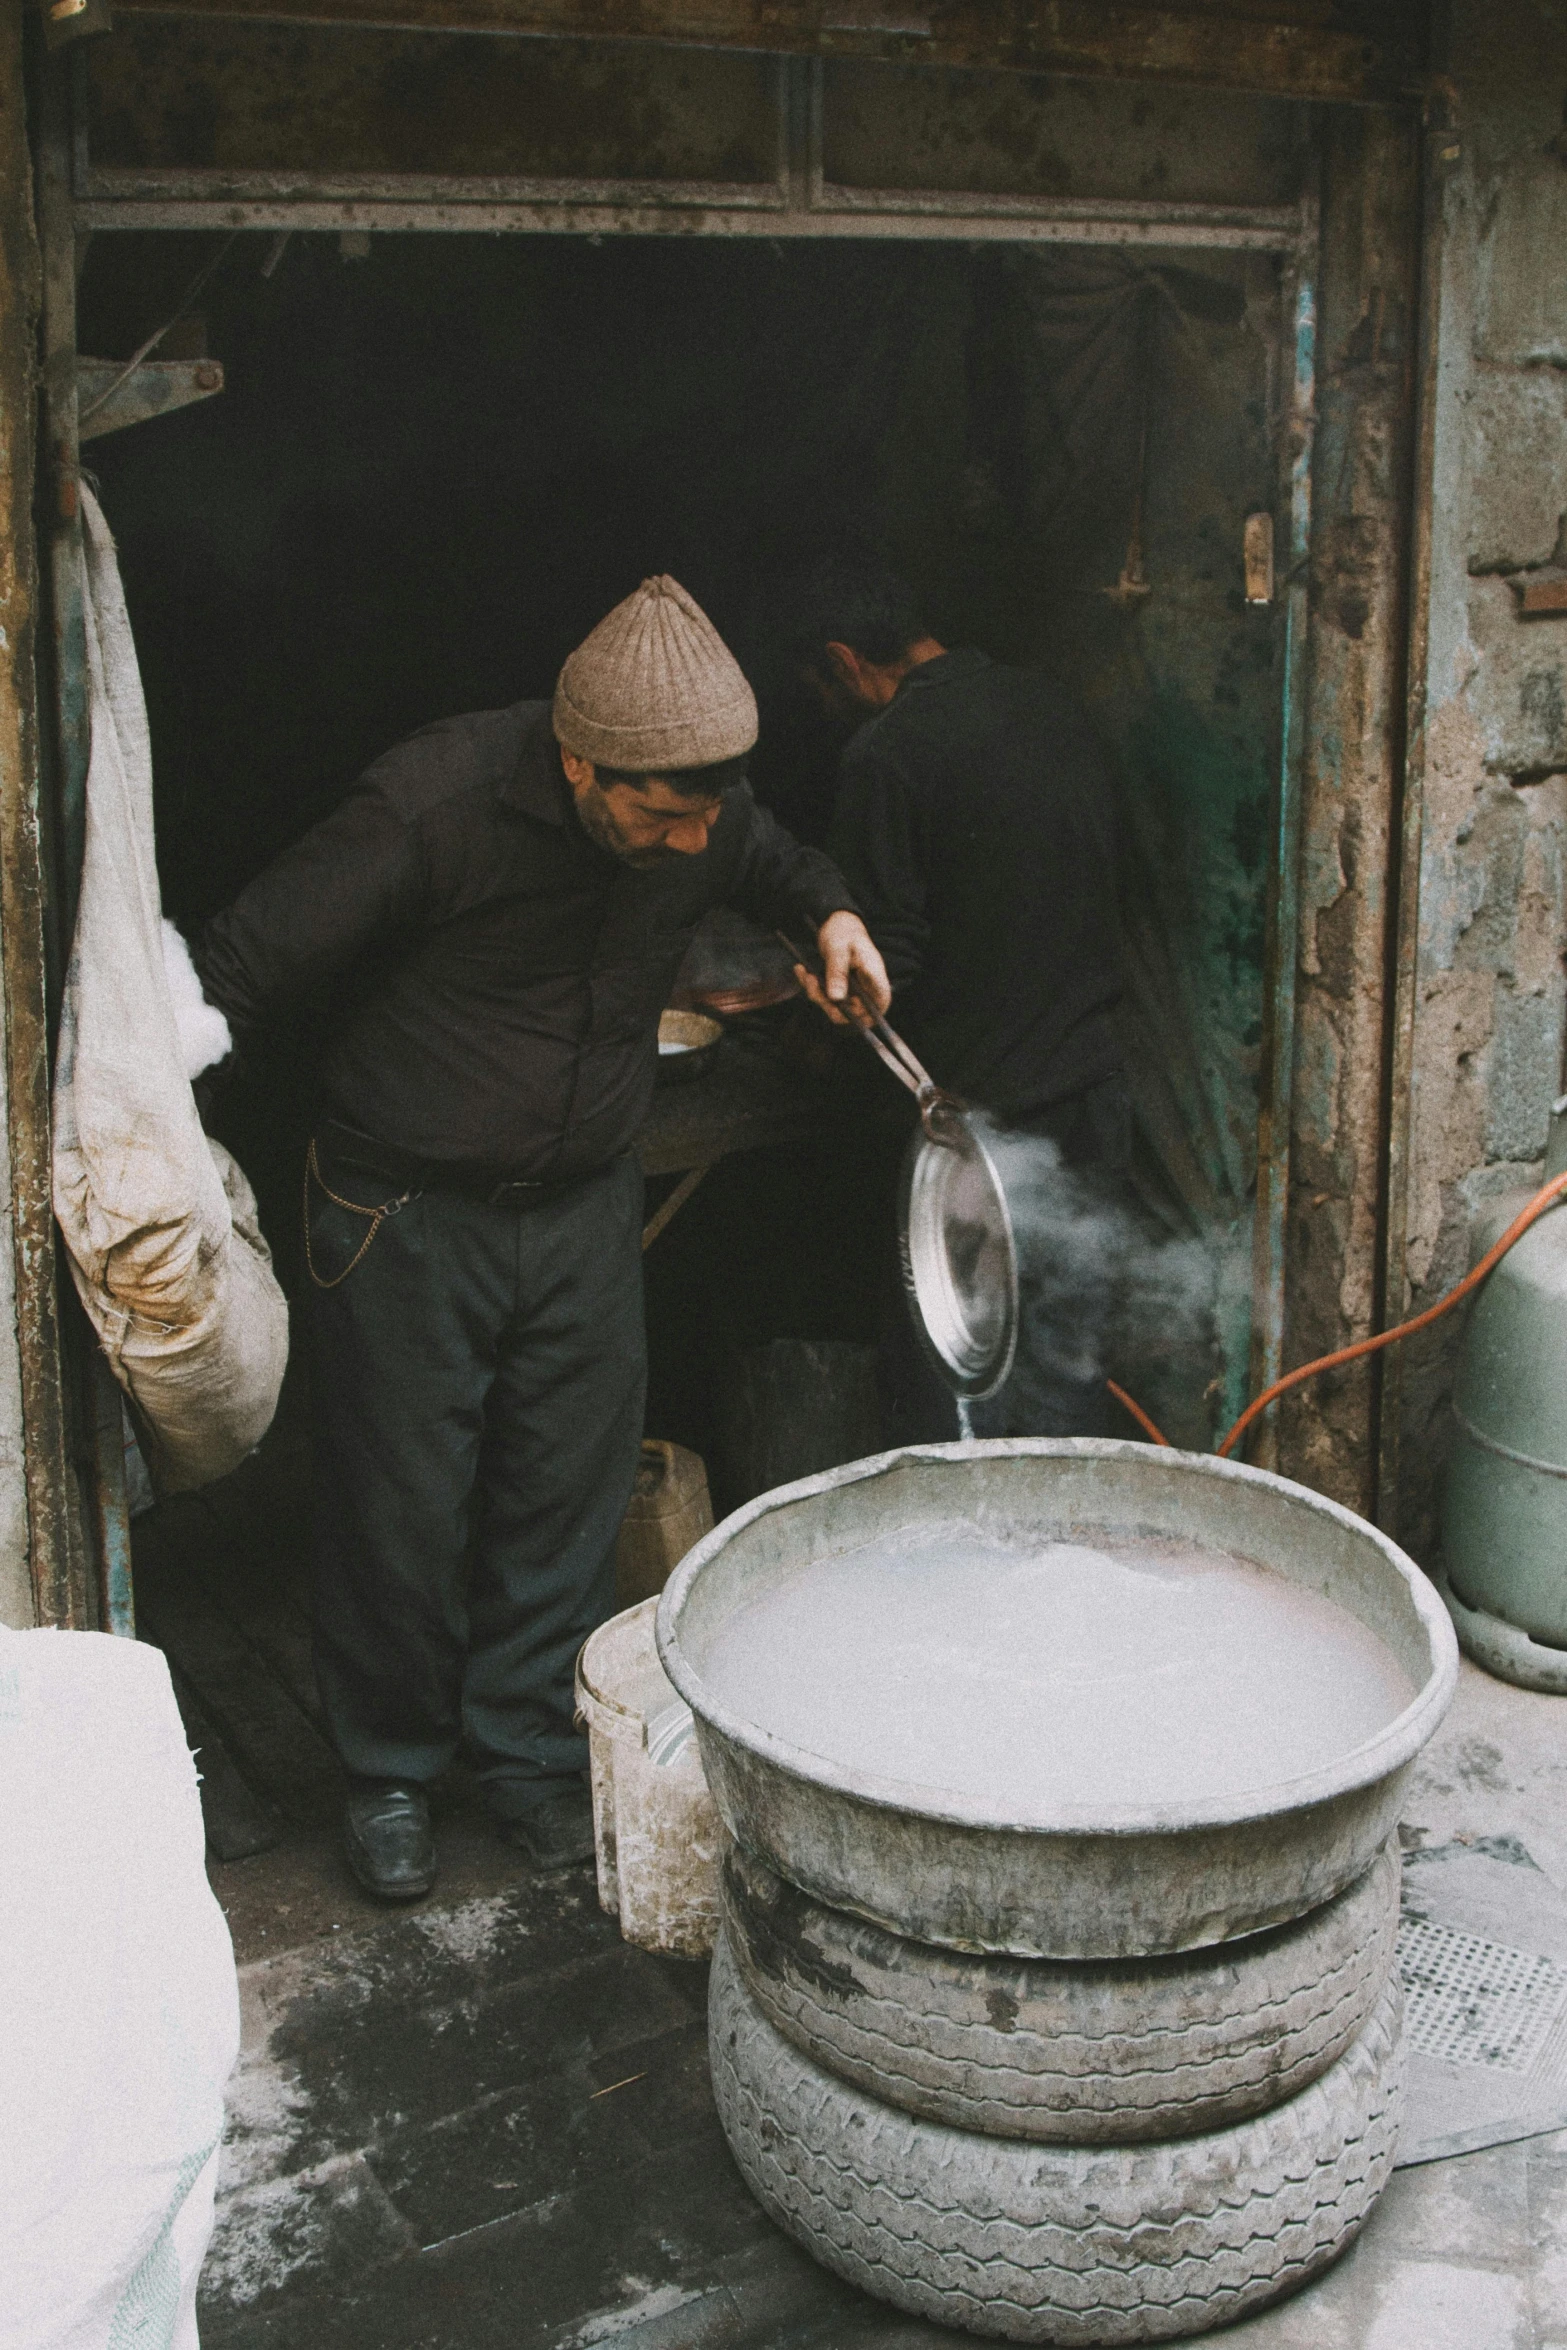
x: 1052, y: 2150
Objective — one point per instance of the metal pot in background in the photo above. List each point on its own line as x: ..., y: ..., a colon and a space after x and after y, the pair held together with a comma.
x: 732, y: 967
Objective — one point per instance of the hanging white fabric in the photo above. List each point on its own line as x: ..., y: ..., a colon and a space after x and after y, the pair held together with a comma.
x: 159, y: 1222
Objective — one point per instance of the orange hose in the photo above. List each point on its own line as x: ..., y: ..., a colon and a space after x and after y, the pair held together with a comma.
x: 1546, y: 1197
x: 1138, y: 1414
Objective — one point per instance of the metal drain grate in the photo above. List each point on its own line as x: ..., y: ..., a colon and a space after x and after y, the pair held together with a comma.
x: 1469, y: 2001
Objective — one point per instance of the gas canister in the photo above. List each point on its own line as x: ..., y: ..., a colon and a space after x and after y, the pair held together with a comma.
x: 1504, y: 1522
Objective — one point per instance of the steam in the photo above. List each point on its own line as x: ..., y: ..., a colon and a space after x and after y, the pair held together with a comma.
x: 1102, y: 1291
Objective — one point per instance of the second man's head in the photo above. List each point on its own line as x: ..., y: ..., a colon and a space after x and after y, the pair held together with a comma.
x: 857, y: 630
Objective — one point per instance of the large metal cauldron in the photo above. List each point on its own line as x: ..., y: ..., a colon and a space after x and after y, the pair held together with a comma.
x: 1070, y: 1886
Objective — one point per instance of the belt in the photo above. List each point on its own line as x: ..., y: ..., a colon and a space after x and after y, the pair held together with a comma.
x: 493, y: 1187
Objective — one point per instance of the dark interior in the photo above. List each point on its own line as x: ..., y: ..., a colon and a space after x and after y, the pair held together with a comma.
x: 436, y: 464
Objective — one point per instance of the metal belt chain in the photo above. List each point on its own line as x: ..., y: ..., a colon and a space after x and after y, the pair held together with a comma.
x: 377, y: 1218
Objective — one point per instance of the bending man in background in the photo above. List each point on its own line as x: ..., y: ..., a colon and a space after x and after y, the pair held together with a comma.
x: 975, y: 824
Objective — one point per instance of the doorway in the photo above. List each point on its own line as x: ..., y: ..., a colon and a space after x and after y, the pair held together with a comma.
x: 439, y: 461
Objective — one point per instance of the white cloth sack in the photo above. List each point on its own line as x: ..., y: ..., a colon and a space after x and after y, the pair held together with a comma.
x: 159, y: 1221
x: 119, y: 2006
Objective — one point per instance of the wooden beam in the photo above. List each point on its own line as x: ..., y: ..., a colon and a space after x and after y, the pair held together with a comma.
x: 53, y: 1530
x: 1352, y: 813
x: 1396, y: 1301
x: 1341, y: 50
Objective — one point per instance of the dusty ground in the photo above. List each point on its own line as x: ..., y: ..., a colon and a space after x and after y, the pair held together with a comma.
x: 488, y: 2122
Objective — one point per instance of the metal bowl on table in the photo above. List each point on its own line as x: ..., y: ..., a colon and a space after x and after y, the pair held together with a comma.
x: 687, y: 1042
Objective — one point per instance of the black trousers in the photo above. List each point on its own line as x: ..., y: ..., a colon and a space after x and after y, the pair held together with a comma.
x: 478, y: 1380
x: 1066, y: 1302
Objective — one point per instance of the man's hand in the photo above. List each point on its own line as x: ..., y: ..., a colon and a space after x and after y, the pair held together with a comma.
x: 853, y: 970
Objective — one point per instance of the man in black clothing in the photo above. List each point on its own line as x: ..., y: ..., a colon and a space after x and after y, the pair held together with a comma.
x: 974, y: 822
x: 507, y: 897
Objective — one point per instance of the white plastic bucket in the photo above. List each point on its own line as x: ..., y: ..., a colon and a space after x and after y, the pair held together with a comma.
x: 655, y: 1828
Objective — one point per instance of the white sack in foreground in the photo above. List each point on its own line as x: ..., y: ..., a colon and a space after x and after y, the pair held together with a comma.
x: 118, y: 1992
x: 159, y: 1221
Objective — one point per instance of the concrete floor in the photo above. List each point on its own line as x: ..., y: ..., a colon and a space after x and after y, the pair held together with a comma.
x: 1469, y: 2254
x: 488, y: 2122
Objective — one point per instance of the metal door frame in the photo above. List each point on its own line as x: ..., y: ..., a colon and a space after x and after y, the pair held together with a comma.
x: 796, y: 200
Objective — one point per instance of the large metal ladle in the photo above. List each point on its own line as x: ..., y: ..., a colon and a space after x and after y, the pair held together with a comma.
x: 937, y: 1106
x: 956, y: 1246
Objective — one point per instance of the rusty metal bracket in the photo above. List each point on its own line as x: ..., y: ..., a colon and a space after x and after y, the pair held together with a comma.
x: 109, y: 399
x: 1257, y: 555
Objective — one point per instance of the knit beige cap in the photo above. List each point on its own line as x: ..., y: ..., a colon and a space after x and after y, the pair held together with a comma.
x: 655, y: 688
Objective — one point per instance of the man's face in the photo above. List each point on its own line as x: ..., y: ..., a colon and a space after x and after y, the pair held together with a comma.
x: 641, y: 824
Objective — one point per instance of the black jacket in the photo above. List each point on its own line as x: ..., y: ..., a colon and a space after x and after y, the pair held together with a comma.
x: 975, y: 825
x: 502, y: 976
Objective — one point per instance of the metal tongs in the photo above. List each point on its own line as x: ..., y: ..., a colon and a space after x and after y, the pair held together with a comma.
x: 937, y: 1107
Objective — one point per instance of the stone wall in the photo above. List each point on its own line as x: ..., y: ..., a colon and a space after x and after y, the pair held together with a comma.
x: 1489, y: 998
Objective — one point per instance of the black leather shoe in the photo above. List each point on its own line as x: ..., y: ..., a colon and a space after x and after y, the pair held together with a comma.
x: 391, y: 1848
x: 556, y: 1830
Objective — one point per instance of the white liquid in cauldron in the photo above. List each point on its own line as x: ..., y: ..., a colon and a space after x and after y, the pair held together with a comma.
x: 1124, y: 1672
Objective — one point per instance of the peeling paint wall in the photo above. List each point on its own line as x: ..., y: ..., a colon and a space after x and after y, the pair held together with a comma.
x: 1366, y: 351
x: 1487, y: 1048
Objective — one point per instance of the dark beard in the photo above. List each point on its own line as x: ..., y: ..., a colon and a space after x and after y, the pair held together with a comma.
x: 602, y: 831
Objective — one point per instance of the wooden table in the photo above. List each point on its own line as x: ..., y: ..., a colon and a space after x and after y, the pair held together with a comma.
x: 745, y: 1099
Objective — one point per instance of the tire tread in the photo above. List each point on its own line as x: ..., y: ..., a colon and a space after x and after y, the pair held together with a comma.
x: 1061, y: 2244
x: 1180, y: 2047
